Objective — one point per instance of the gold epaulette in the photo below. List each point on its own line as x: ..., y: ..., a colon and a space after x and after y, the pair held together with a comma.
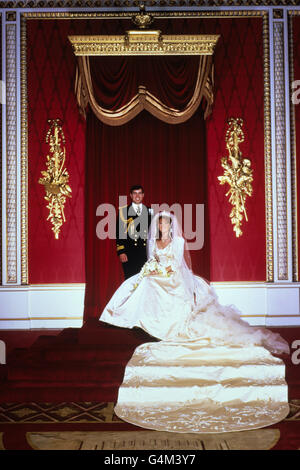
x: 127, y: 222
x: 122, y: 215
x: 120, y: 247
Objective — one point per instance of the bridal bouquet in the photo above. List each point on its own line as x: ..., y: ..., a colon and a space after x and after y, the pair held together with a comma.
x: 152, y: 266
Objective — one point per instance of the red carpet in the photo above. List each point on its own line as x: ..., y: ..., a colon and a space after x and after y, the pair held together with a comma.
x: 86, y: 366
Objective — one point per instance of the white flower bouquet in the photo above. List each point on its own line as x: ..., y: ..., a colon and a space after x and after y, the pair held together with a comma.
x: 153, y: 267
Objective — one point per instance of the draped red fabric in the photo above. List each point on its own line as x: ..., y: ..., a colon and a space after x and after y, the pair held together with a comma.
x: 168, y: 160
x: 239, y: 92
x: 170, y: 79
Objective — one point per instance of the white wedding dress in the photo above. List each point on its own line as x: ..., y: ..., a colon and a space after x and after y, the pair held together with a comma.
x: 211, y: 371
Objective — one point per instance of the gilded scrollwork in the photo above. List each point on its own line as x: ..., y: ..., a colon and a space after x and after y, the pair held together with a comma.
x: 11, y: 156
x: 127, y: 4
x: 237, y: 173
x: 142, y: 19
x: 238, y: 11
x: 144, y: 43
x: 56, y: 178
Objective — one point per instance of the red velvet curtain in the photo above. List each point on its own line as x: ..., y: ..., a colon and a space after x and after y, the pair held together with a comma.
x: 168, y: 160
x: 116, y: 80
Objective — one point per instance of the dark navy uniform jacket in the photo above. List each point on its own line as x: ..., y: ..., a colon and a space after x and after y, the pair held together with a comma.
x: 131, y: 237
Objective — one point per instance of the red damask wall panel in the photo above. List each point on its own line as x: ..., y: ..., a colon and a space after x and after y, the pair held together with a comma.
x: 51, y: 69
x: 238, y: 93
x: 296, y: 64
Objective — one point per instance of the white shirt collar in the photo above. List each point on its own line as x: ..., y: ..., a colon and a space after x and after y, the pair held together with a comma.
x: 135, y: 206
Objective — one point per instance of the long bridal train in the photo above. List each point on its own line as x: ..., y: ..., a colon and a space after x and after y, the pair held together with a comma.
x: 211, y: 372
x: 202, y: 389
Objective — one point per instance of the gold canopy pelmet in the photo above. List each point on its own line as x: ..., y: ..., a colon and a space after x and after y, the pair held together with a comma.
x: 144, y: 100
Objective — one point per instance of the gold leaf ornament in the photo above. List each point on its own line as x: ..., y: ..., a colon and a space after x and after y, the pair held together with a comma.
x: 142, y: 19
x: 237, y: 173
x: 56, y: 178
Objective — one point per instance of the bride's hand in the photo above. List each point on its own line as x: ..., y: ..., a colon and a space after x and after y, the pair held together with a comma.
x: 152, y: 273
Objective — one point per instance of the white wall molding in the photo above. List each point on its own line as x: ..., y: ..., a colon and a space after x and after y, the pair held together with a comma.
x: 55, y: 306
x: 60, y: 306
x: 41, y: 306
x: 262, y: 303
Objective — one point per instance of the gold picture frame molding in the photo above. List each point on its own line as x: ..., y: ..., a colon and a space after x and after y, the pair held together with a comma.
x: 260, y: 13
x: 138, y: 42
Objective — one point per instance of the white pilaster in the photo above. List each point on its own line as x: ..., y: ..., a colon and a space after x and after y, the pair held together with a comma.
x: 281, y: 167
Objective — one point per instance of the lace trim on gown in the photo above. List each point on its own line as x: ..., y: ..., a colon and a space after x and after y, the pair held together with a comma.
x: 211, y: 371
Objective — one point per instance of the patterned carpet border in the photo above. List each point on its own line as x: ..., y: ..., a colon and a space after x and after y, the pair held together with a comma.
x: 84, y: 412
x: 261, y: 439
x: 65, y: 412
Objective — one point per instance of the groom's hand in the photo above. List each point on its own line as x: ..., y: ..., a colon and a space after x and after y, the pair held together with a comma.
x: 123, y: 258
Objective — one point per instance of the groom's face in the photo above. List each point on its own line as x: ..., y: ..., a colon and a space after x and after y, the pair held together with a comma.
x: 137, y: 196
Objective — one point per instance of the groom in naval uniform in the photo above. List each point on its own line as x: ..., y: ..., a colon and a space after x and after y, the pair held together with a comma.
x: 133, y: 223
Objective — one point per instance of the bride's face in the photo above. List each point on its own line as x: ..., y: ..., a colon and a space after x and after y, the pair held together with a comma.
x: 164, y: 225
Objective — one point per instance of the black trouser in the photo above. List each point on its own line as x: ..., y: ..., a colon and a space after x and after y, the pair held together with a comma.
x: 136, y: 260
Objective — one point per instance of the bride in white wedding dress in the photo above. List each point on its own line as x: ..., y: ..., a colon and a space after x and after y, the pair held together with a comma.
x: 211, y: 371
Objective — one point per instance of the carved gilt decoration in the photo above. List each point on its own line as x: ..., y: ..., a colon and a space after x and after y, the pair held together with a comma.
x: 237, y: 173
x: 56, y: 178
